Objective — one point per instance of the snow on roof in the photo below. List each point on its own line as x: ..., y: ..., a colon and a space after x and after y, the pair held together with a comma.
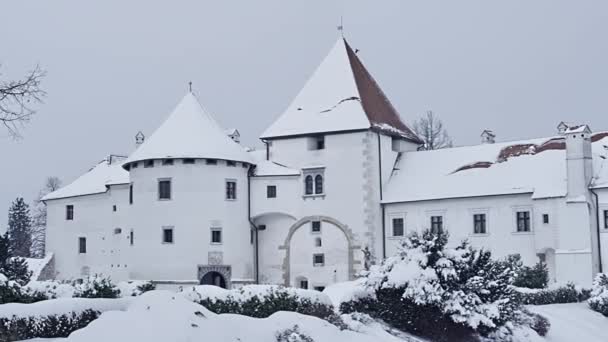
x: 269, y: 168
x: 535, y: 166
x: 189, y: 132
x: 340, y: 96
x: 96, y: 180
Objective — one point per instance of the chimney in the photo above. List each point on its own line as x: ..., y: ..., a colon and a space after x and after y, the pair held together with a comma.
x: 579, y: 161
x: 488, y: 137
x: 139, y: 139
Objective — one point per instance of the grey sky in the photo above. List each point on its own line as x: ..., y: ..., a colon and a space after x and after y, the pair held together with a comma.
x: 116, y: 67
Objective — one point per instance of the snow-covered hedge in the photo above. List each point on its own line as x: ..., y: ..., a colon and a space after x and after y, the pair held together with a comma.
x: 261, y: 300
x: 12, y: 292
x: 135, y: 287
x: 599, y: 294
x: 446, y: 294
x: 96, y: 286
x: 555, y: 294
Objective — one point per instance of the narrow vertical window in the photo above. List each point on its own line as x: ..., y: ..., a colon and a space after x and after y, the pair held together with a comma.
x: 320, y: 143
x: 131, y: 193
x: 114, y: 207
x: 318, y: 259
x: 82, y: 245
x: 304, y: 284
x: 523, y: 221
x: 546, y: 218
x: 606, y: 219
x: 216, y: 236
x: 69, y: 212
x: 398, y: 229
x: 436, y: 224
x: 318, y: 242
x: 308, y: 185
x: 230, y: 190
x: 479, y: 224
x: 164, y: 189
x: 318, y: 184
x: 131, y: 237
x: 167, y: 235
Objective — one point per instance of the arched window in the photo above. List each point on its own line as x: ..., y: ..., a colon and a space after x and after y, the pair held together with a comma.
x: 318, y: 184
x: 309, y: 185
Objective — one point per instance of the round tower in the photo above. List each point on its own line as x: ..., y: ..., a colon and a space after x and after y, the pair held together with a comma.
x: 188, y: 203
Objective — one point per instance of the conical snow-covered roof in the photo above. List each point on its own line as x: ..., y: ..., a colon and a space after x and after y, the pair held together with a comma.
x: 340, y: 96
x: 189, y: 132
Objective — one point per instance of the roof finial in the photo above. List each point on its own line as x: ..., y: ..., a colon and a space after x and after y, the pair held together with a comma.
x: 341, y: 27
x: 190, y: 86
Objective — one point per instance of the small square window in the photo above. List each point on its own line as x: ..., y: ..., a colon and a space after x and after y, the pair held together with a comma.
x: 167, y: 235
x: 216, y: 235
x: 546, y: 218
x: 211, y: 161
x: 316, y: 143
x: 271, y: 191
x: 318, y: 259
x: 230, y: 163
x: 167, y: 161
x: 398, y: 229
x: 230, y: 190
x: 69, y: 212
x: 304, y: 284
x: 164, y: 189
x: 188, y: 161
x: 261, y: 227
x: 148, y: 163
x: 82, y: 245
x: 316, y: 226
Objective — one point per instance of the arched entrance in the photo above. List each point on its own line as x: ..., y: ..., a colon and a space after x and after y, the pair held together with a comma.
x: 214, y: 278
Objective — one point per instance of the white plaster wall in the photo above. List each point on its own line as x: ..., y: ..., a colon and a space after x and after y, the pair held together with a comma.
x: 271, y: 257
x: 603, y: 205
x: 198, y: 203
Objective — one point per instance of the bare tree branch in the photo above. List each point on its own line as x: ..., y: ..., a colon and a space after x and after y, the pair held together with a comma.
x: 431, y: 130
x: 16, y: 99
x: 39, y: 217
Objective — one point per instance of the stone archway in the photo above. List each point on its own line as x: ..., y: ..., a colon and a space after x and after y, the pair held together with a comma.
x: 344, y: 228
x: 210, y: 273
x: 214, y: 278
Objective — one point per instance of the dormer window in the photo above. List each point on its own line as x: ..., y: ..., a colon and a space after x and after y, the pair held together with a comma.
x: 167, y: 161
x: 148, y: 163
x: 211, y: 161
x: 188, y: 161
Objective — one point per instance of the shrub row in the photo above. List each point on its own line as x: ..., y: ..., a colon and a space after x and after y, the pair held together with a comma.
x: 51, y: 326
x: 568, y: 293
x: 599, y: 294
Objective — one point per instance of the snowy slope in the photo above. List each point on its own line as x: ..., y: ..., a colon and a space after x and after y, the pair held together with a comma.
x: 573, y: 322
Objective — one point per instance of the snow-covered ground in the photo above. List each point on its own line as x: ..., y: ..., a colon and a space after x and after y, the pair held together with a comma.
x: 573, y: 322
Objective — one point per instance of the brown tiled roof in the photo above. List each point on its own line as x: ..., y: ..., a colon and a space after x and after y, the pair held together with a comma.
x: 379, y: 110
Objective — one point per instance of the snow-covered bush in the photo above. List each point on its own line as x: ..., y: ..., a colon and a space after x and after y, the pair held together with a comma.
x: 599, y: 294
x: 261, y: 300
x: 557, y: 294
x: 135, y: 287
x: 12, y: 292
x: 61, y: 325
x: 96, y: 286
x: 293, y: 334
x: 535, y: 277
x: 443, y: 293
x: 49, y: 289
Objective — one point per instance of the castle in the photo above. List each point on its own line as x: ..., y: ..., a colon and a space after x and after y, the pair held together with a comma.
x: 339, y: 184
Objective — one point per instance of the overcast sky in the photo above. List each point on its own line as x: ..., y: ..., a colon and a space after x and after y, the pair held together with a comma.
x: 115, y: 67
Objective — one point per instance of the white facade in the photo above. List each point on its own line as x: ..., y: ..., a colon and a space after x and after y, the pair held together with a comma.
x: 340, y: 174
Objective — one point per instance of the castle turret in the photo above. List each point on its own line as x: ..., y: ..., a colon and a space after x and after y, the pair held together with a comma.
x: 579, y: 161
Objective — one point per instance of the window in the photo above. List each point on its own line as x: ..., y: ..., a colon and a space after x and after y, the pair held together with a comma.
x: 230, y: 190
x: 479, y: 224
x: 188, y: 161
x: 114, y: 207
x: 69, y: 212
x: 167, y: 235
x: 230, y: 163
x: 134, y: 165
x: 149, y: 163
x: 211, y: 161
x: 216, y: 235
x: 131, y: 194
x: 313, y: 182
x: 606, y: 219
x: 261, y: 227
x: 304, y: 284
x: 319, y: 288
x: 318, y: 242
x: 164, y: 189
x: 316, y: 143
x: 318, y: 259
x: 316, y: 226
x: 523, y: 221
x: 131, y: 236
x: 167, y: 161
x: 436, y: 224
x: 546, y: 218
x: 271, y: 191
x: 308, y: 185
x: 117, y: 231
x: 82, y: 245
x: 398, y: 226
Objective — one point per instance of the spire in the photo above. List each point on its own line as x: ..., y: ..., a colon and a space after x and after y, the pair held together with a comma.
x: 189, y: 132
x: 341, y: 95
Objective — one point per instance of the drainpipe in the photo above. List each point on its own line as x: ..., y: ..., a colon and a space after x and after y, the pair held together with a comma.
x: 267, y: 149
x: 381, y: 204
x: 256, y: 264
x: 597, y: 221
